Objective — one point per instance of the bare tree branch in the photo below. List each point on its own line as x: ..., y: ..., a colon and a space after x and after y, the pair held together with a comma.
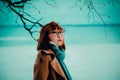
x: 19, y: 5
x: 48, y: 3
x: 92, y: 10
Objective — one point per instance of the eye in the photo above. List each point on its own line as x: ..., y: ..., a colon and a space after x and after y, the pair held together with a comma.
x: 54, y: 32
x: 61, y: 32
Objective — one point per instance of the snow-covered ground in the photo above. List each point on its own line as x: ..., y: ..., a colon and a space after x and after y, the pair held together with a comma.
x: 90, y: 54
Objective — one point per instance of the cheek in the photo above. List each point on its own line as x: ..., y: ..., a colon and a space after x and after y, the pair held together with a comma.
x: 55, y: 39
x: 51, y: 38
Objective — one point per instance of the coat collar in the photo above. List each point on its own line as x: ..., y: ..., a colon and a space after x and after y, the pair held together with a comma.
x: 49, y: 51
x: 55, y: 64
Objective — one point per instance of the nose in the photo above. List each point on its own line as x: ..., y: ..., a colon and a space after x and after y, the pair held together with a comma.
x: 59, y: 35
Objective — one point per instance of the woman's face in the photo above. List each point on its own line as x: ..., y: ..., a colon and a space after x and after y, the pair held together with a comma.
x: 57, y: 36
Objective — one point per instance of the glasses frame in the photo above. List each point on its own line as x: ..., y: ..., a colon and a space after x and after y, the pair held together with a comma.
x: 56, y: 33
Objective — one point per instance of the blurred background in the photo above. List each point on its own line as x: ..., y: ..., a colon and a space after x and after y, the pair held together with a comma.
x: 92, y: 37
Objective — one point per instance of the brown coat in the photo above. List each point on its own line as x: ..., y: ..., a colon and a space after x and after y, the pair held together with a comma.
x: 46, y: 67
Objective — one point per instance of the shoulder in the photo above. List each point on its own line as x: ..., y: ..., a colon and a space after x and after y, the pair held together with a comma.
x: 45, y: 52
x: 45, y: 55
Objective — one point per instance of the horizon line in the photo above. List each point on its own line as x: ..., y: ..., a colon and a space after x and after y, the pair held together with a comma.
x: 75, y: 25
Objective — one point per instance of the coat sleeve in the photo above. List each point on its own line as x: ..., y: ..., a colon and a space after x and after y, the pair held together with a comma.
x: 41, y: 67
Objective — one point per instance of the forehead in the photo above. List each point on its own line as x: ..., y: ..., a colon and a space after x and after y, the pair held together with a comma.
x: 55, y: 28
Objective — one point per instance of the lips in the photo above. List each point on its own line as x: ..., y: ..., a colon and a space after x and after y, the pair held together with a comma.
x: 59, y: 40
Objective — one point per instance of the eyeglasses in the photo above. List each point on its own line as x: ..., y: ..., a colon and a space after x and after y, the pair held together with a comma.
x: 57, y: 33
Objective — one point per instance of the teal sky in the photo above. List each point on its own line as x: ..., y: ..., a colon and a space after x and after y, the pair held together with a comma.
x: 61, y: 12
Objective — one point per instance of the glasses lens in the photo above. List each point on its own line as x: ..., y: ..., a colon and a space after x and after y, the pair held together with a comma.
x: 56, y: 33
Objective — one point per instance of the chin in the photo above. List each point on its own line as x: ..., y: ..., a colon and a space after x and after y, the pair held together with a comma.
x: 60, y: 44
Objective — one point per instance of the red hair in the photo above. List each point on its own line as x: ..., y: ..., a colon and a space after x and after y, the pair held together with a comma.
x: 43, y: 41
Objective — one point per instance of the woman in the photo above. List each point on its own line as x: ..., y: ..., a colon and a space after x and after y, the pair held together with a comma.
x: 49, y: 64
